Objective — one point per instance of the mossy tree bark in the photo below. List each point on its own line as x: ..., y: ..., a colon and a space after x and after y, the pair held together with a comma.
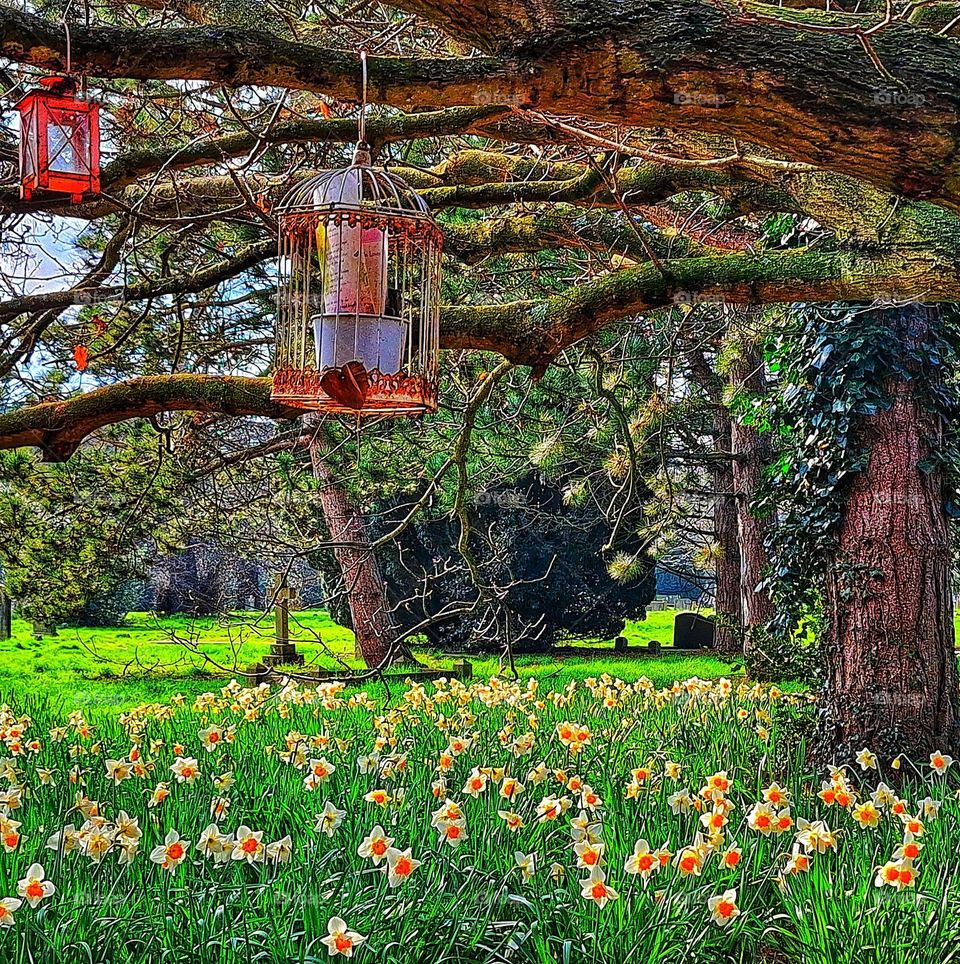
x: 750, y: 71
x: 728, y: 603
x: 752, y: 452
x: 727, y: 597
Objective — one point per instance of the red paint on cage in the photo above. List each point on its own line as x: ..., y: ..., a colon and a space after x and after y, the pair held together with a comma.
x: 59, y: 141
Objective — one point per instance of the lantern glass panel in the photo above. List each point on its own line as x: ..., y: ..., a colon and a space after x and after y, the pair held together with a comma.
x: 68, y: 142
x: 28, y: 142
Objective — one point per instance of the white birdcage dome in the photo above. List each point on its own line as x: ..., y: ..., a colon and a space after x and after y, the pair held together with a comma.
x: 359, y: 187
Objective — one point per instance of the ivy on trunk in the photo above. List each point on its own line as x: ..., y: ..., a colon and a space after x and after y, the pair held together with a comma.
x: 864, y: 491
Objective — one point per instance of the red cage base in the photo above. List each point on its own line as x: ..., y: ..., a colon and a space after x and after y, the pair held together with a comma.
x: 397, y: 394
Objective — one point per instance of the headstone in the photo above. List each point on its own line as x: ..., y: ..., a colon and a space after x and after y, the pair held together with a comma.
x: 693, y: 631
x: 464, y: 668
x: 258, y: 673
x: 620, y: 644
x: 654, y: 648
x: 282, y: 651
x: 6, y: 614
x: 41, y: 629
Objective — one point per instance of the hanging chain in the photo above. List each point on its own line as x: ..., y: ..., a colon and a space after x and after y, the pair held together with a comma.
x: 86, y: 23
x: 362, y: 125
x: 66, y: 28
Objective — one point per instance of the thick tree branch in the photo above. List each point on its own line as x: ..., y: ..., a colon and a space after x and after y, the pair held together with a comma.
x: 57, y: 428
x: 234, y: 56
x: 853, y: 210
x: 136, y: 164
x: 525, y: 332
x: 811, y: 95
x: 534, y: 332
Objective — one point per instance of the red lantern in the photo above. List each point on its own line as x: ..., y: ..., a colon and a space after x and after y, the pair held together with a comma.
x: 59, y: 141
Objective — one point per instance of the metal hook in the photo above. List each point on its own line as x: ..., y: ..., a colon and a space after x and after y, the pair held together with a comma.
x: 66, y: 28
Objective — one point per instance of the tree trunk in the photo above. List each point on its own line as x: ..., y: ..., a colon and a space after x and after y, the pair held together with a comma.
x: 729, y: 637
x: 374, y: 626
x: 727, y: 602
x: 891, y: 671
x: 6, y: 614
x: 751, y: 454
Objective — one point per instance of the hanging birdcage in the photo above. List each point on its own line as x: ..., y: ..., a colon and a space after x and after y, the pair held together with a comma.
x: 59, y: 141
x: 358, y: 324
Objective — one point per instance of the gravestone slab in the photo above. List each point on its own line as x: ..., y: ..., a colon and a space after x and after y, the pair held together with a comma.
x: 693, y: 631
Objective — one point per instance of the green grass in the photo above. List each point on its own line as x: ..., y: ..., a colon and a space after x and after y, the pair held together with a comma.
x: 152, y: 659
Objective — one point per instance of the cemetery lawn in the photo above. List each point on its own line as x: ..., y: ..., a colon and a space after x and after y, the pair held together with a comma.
x: 151, y: 659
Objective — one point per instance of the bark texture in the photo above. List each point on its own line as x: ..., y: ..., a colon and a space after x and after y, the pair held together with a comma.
x: 814, y: 95
x: 374, y: 626
x: 727, y: 596
x: 728, y: 602
x: 751, y: 454
x: 891, y: 669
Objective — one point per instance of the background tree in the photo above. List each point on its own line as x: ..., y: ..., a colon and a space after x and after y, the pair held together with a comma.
x: 690, y: 154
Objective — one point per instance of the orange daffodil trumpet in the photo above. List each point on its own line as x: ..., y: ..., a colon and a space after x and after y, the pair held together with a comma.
x: 211, y: 738
x: 723, y: 908
x: 339, y: 939
x: 249, y: 845
x: 895, y: 873
x: 34, y: 887
x: 566, y: 811
x: 643, y: 862
x: 8, y: 907
x: 596, y: 888
x: 375, y: 846
x: 400, y: 865
x: 940, y: 762
x: 185, y: 770
x: 171, y: 853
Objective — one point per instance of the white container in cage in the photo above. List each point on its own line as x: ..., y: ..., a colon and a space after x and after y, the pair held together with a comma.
x: 353, y: 259
x: 376, y: 341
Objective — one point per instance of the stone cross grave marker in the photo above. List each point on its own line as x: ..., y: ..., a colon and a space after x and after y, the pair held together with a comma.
x: 282, y: 651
